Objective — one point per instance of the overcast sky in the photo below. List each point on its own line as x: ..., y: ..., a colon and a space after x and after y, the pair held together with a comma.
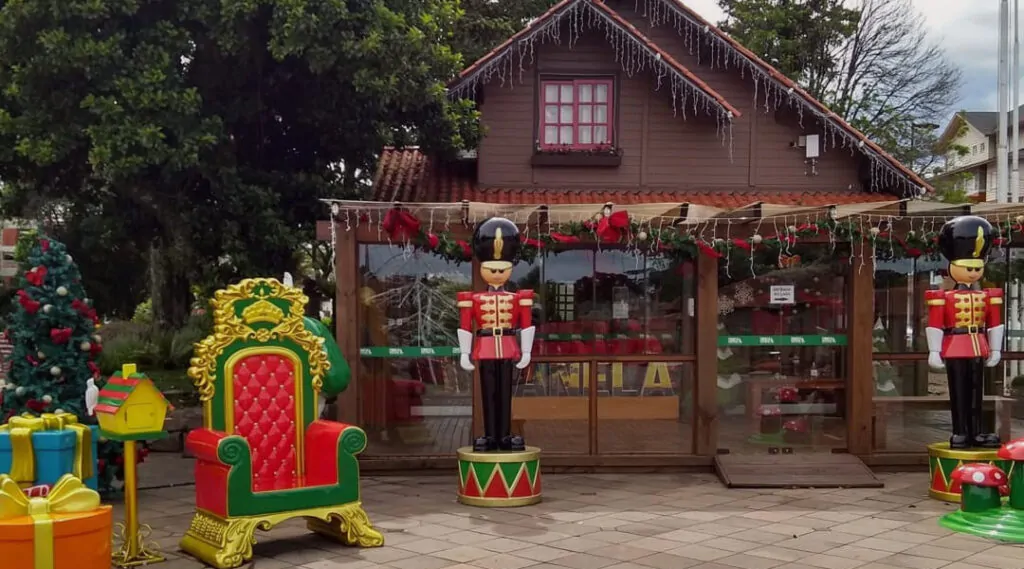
x: 969, y: 31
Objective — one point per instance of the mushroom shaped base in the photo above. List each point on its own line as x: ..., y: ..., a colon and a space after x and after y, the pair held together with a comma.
x: 1013, y: 451
x: 979, y: 485
x: 1004, y: 524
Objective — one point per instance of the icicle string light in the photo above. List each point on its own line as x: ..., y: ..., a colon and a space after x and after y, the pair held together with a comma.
x: 631, y: 53
x: 696, y: 34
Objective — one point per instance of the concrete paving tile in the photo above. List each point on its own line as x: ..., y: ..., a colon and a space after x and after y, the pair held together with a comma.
x: 666, y: 561
x: 859, y: 553
x: 542, y: 553
x: 421, y: 562
x: 731, y: 544
x: 962, y: 542
x: 996, y: 561
x: 502, y: 545
x: 687, y: 536
x: 584, y: 561
x: 913, y: 561
x: 779, y: 553
x: 937, y: 552
x: 621, y: 552
x: 826, y: 561
x: 744, y: 561
x: 463, y: 553
x: 700, y: 552
x: 869, y: 526
x: 424, y: 546
x: 578, y: 544
x: 335, y: 563
x: 882, y: 544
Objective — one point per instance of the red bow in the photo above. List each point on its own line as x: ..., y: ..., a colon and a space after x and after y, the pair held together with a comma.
x: 60, y: 335
x: 35, y: 276
x: 400, y: 225
x: 85, y: 310
x: 30, y: 306
x: 95, y: 348
x: 611, y: 227
x: 95, y: 369
x: 44, y: 244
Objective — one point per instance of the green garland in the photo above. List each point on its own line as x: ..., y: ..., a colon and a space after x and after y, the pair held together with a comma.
x: 671, y: 241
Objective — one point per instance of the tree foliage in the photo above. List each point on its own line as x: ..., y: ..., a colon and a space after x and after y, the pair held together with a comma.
x: 485, y: 24
x: 206, y: 130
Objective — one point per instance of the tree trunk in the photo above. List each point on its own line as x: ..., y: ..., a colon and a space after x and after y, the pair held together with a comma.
x: 170, y: 289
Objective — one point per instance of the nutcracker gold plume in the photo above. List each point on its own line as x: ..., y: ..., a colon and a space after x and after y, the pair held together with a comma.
x: 965, y: 330
x: 504, y: 331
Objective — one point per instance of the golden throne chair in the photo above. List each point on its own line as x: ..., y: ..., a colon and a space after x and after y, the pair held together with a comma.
x: 263, y: 456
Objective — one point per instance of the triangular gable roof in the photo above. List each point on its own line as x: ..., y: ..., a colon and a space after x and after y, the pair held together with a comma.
x: 498, y: 62
x: 118, y: 389
x: 595, y: 14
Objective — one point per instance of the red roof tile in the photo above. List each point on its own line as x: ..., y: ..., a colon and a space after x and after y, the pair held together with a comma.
x: 407, y: 175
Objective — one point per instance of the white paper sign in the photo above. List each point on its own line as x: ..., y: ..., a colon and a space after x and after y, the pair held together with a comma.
x: 620, y: 310
x: 782, y: 294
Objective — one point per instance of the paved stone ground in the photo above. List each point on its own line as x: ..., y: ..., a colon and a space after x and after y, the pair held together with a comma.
x: 623, y: 521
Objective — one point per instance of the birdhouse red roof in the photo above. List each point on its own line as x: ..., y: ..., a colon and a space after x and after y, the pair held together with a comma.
x: 118, y: 389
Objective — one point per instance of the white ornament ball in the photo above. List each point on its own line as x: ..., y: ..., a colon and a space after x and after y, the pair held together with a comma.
x: 1020, y: 219
x: 792, y: 228
x: 47, y: 308
x: 41, y: 355
x: 874, y: 231
x: 96, y: 338
x: 20, y: 390
x: 62, y: 291
x: 47, y: 399
x: 641, y: 236
x: 85, y: 346
x: 756, y: 239
x: 55, y: 371
x: 911, y: 234
x: 68, y: 259
x: 58, y: 411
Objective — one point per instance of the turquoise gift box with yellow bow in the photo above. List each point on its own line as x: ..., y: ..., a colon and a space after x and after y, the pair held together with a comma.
x: 40, y: 450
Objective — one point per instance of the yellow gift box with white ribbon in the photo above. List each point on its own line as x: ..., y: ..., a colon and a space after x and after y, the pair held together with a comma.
x: 68, y: 529
x: 20, y: 429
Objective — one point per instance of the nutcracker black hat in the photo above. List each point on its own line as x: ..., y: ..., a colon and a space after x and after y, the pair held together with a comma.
x: 964, y: 241
x: 496, y: 240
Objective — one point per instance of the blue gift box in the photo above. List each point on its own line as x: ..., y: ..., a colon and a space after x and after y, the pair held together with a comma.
x: 54, y: 453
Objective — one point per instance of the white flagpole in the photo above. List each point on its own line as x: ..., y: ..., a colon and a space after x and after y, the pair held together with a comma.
x: 1002, y: 165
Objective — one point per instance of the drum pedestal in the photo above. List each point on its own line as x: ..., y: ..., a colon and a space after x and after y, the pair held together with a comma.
x: 942, y: 461
x: 503, y: 479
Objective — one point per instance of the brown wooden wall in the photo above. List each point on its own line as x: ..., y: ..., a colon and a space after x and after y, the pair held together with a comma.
x: 661, y: 151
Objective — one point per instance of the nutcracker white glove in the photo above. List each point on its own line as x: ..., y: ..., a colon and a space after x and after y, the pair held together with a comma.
x: 526, y: 346
x: 935, y: 338
x: 995, y: 346
x: 466, y: 347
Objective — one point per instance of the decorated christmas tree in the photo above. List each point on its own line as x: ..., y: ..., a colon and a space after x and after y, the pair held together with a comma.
x: 54, y: 344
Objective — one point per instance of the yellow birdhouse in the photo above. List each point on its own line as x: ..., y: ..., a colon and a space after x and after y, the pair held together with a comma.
x: 130, y: 407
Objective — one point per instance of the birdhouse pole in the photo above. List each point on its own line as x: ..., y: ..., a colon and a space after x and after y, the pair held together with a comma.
x: 133, y: 551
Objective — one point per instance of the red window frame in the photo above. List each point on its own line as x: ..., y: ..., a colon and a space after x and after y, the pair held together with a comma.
x: 578, y: 86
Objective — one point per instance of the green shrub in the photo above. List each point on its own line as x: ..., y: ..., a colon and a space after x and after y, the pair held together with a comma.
x: 144, y: 312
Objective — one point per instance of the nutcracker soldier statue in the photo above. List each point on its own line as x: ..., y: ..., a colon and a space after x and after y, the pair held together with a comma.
x: 502, y: 343
x: 965, y: 335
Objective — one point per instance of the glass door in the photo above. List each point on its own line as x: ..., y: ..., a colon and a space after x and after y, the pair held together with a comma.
x: 781, y: 350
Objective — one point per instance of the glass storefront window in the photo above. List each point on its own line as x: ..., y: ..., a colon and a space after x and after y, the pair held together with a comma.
x: 781, y: 357
x: 414, y: 397
x: 645, y: 407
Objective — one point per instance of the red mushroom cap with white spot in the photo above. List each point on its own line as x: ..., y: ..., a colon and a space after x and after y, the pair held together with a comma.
x: 1013, y: 450
x: 979, y: 474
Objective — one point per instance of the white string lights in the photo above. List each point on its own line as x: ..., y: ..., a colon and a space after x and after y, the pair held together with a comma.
x: 883, y: 172
x: 634, y: 55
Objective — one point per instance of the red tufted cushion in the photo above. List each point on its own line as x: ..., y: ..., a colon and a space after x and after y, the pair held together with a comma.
x: 264, y: 389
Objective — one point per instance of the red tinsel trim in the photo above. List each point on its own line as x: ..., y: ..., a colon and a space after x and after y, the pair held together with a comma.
x: 562, y: 238
x: 741, y: 243
x: 708, y: 250
x: 533, y: 243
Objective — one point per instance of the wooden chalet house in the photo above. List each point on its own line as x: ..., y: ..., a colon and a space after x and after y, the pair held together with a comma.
x: 641, y: 358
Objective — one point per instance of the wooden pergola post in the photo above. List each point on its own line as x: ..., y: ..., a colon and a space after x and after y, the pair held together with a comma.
x: 346, y: 318
x: 705, y: 398
x: 859, y: 365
